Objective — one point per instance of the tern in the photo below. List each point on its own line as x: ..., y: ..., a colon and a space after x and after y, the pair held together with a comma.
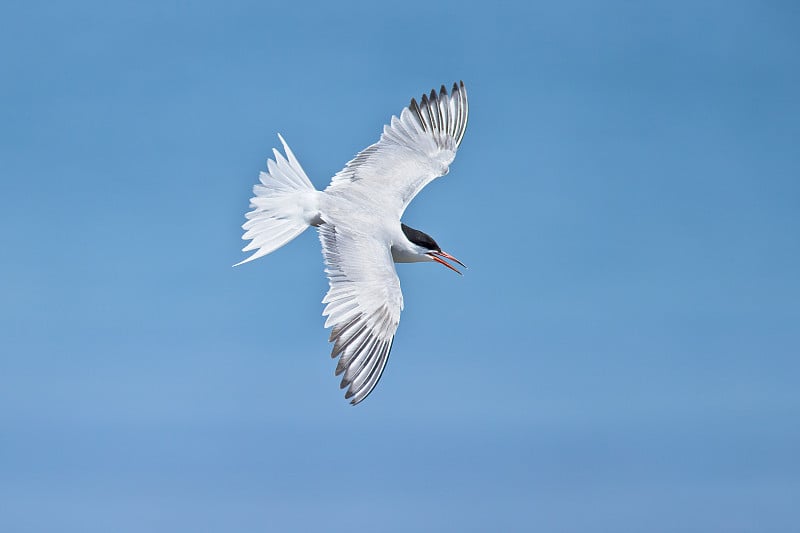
x: 358, y: 220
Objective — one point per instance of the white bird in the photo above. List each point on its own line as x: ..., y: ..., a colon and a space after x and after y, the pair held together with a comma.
x: 358, y: 220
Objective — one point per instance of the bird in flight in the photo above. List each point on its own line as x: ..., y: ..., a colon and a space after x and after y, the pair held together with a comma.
x: 358, y: 220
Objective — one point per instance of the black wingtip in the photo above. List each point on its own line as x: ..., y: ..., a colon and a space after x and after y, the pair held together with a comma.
x: 414, y: 107
x: 439, y: 111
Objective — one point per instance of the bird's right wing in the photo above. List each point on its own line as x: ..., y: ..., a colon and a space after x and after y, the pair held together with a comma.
x: 413, y: 150
x: 363, y: 306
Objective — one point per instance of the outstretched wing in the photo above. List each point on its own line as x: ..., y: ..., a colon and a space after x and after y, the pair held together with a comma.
x: 413, y: 150
x: 363, y: 306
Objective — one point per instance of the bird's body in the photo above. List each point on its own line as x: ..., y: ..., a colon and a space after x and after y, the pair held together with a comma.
x: 358, y: 219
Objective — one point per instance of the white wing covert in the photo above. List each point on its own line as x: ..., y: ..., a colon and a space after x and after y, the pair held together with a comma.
x: 412, y: 151
x: 363, y: 306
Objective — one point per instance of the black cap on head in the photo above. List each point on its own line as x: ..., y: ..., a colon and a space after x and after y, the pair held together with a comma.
x: 420, y: 238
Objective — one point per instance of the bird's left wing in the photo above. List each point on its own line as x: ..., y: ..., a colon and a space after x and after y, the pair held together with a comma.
x: 363, y: 306
x: 413, y: 150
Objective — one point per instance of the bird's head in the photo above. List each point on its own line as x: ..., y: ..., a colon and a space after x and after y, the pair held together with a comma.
x: 428, y: 249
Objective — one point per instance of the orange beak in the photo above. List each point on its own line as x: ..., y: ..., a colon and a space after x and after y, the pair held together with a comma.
x: 438, y: 257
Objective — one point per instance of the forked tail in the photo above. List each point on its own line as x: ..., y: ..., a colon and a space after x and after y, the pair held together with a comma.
x: 284, y: 205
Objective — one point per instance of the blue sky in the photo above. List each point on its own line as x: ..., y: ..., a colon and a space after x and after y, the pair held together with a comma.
x: 622, y: 354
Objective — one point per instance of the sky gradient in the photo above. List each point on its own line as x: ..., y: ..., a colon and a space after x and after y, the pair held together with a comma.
x: 621, y: 355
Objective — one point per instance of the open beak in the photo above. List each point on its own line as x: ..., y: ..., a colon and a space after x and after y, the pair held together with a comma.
x: 440, y: 257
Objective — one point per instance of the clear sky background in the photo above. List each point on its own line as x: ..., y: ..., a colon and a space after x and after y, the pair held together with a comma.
x: 621, y: 356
